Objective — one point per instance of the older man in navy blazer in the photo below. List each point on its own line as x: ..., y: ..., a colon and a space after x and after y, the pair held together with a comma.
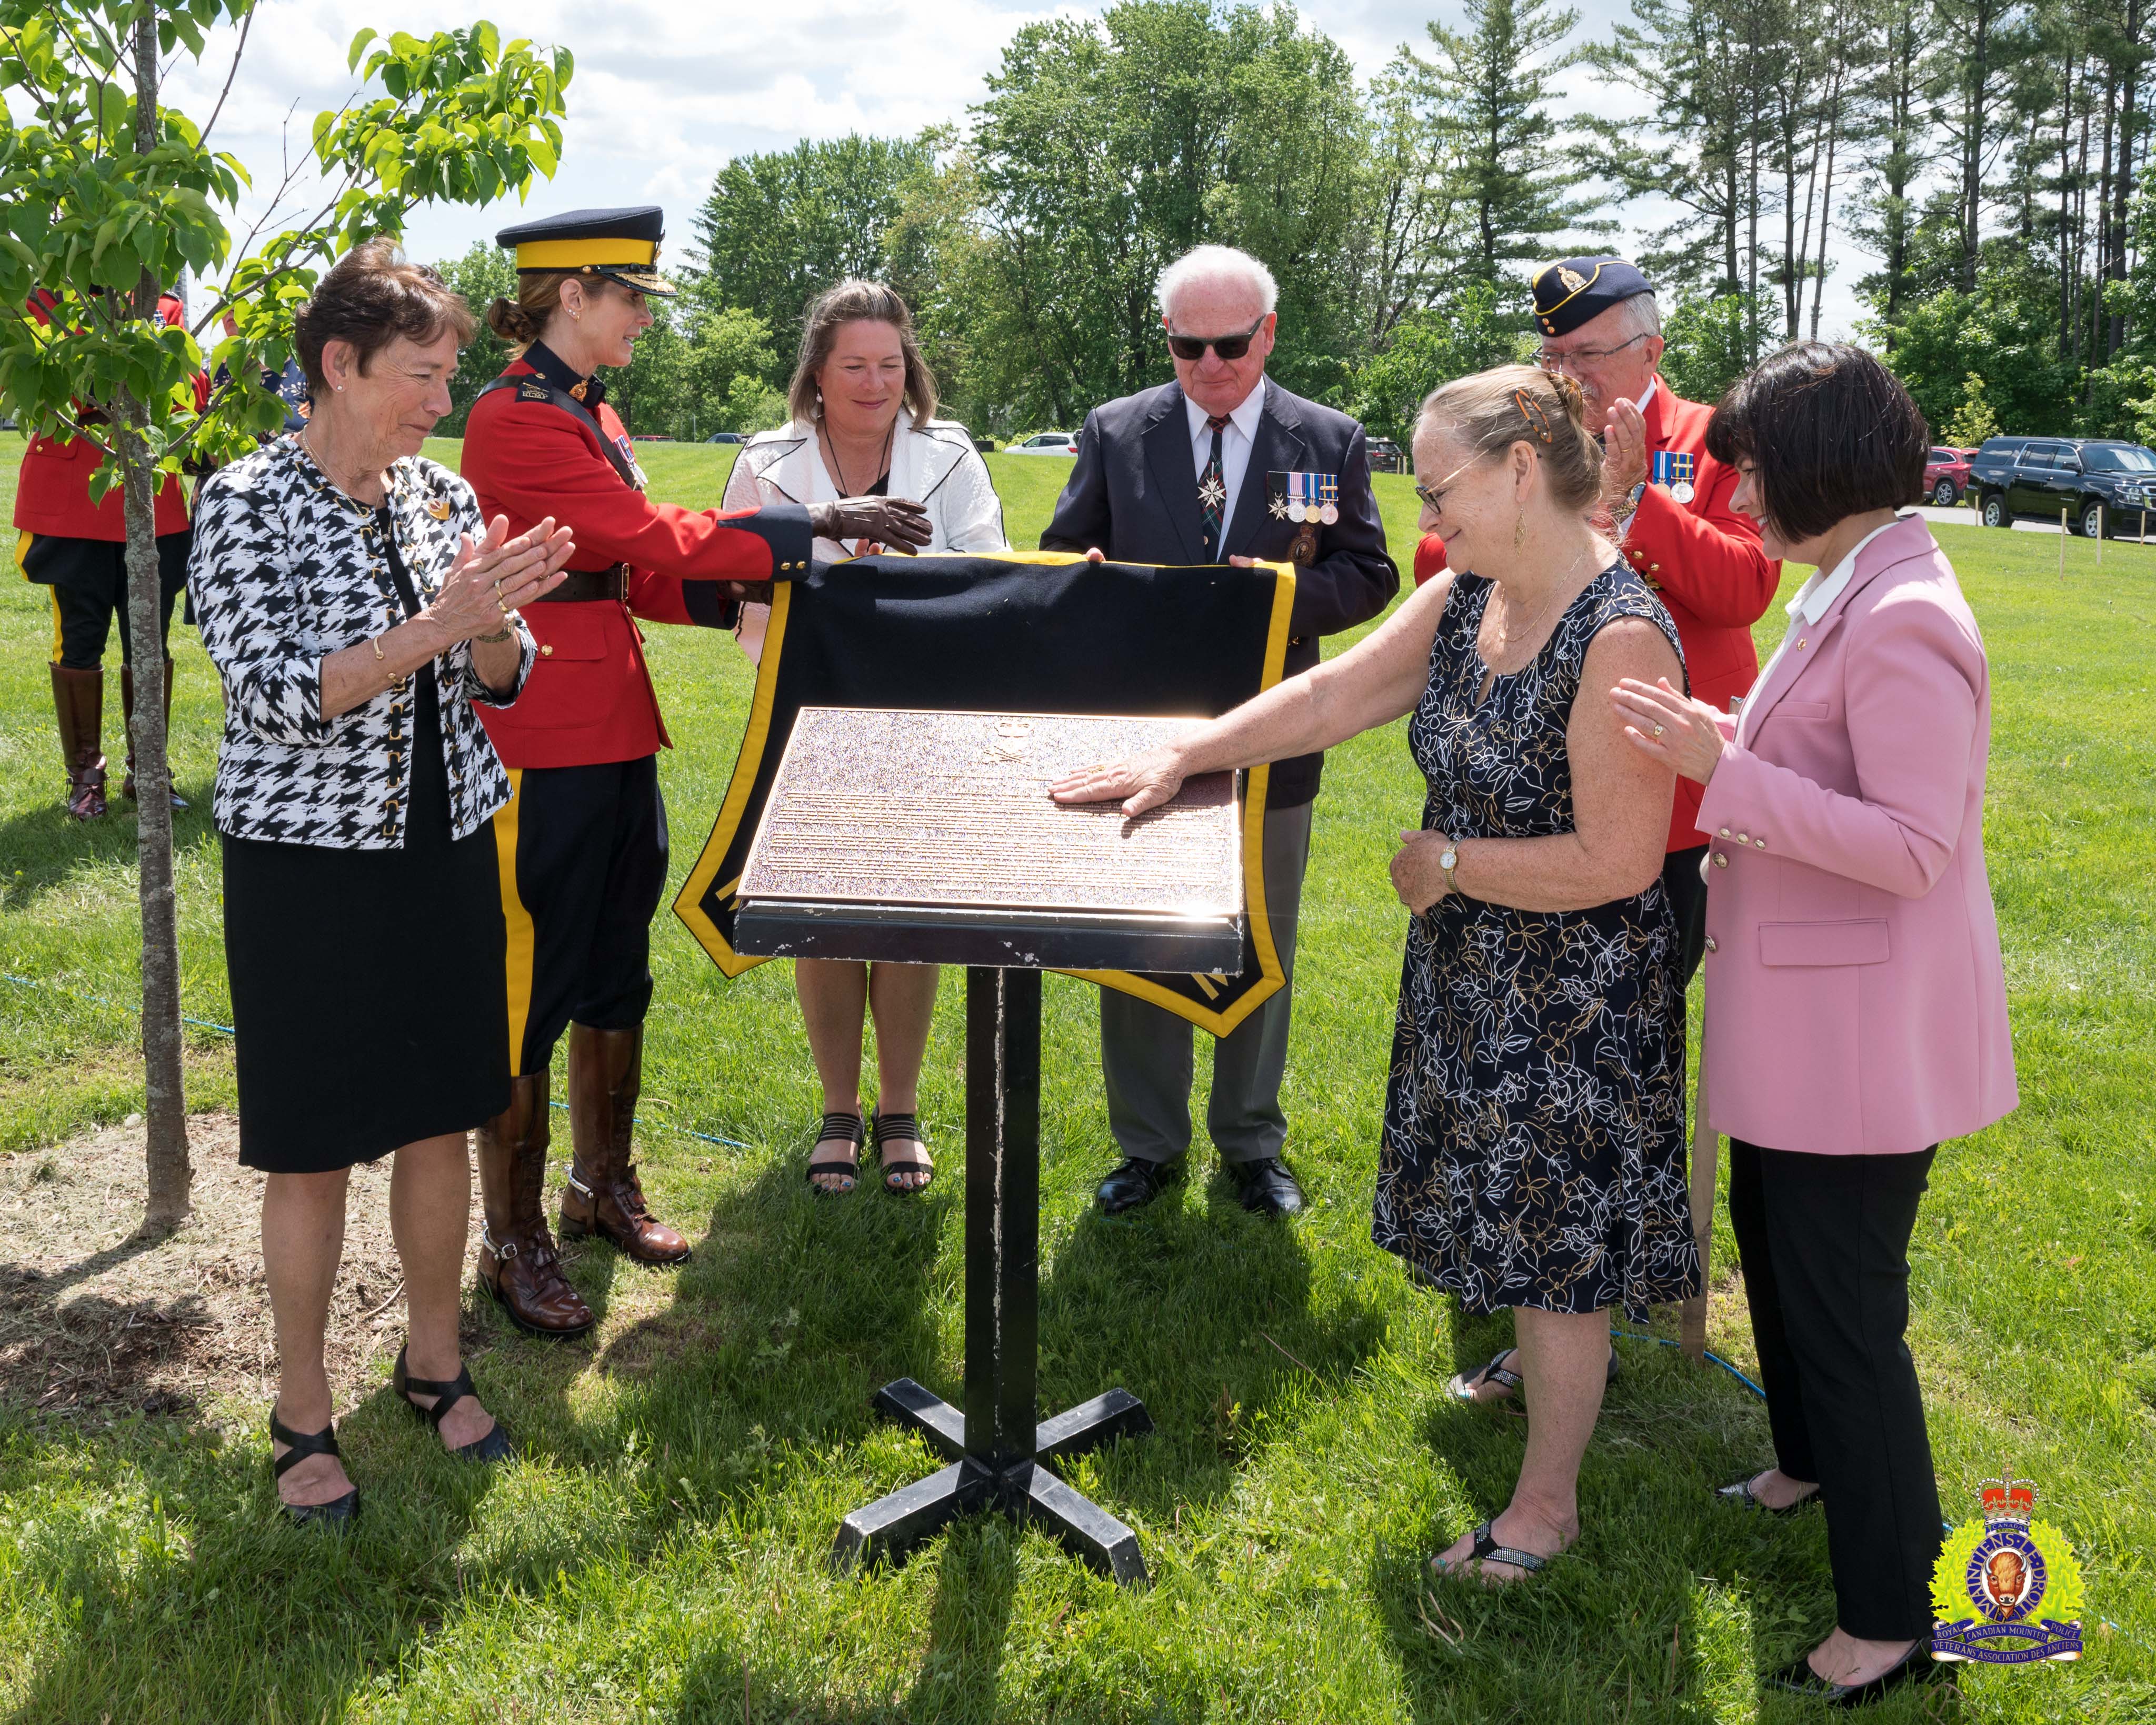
x: 1191, y: 473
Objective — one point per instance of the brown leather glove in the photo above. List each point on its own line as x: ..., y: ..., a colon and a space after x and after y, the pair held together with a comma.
x: 894, y: 522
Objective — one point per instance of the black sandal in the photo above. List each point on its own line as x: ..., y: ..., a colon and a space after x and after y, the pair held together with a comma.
x: 494, y: 1446
x: 1739, y: 1494
x: 338, y: 1512
x: 1464, y: 1384
x: 888, y: 1129
x: 1486, y: 1547
x: 849, y: 1128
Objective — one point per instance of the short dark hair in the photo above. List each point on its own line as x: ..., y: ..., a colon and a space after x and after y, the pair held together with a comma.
x: 1830, y: 431
x: 373, y: 295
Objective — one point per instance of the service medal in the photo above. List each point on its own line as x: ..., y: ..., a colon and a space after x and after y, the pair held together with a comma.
x: 1673, y: 468
x: 1682, y: 492
x: 1328, y: 498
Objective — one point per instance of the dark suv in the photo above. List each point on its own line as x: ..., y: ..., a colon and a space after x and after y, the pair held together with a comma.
x: 2095, y: 481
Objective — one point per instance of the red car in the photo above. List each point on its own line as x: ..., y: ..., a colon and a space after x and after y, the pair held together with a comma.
x: 1946, y: 475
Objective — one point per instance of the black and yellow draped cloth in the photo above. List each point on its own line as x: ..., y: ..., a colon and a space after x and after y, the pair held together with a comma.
x: 1037, y: 632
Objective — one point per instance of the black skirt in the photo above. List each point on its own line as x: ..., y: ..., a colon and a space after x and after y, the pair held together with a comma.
x: 368, y: 986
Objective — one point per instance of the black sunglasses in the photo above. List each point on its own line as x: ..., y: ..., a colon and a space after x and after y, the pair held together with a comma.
x: 1193, y: 348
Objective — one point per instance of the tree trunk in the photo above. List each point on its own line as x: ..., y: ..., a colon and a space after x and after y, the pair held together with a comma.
x: 165, y: 1109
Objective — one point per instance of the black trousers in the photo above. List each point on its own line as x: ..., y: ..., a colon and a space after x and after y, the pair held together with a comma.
x: 89, y: 583
x: 1687, y: 891
x: 583, y: 857
x: 1824, y: 1245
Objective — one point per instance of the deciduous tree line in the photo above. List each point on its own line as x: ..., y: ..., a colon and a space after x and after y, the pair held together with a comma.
x: 1992, y: 156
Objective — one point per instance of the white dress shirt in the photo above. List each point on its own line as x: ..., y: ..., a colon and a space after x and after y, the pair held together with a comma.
x: 1238, y: 437
x: 1808, y: 605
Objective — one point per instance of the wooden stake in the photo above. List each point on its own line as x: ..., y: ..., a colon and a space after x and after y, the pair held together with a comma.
x: 2099, y: 536
x: 2062, y: 545
x: 1692, y: 1316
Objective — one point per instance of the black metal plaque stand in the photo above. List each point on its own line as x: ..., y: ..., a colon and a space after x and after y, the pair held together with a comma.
x: 1000, y: 1456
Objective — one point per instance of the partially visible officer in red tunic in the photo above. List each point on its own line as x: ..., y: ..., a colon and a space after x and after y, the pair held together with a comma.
x: 582, y: 839
x: 1669, y: 502
x: 79, y: 549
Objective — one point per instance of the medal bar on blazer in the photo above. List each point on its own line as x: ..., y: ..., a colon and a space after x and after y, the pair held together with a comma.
x: 1674, y: 468
x: 1303, y: 496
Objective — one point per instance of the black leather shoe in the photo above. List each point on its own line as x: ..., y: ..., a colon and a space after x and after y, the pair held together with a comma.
x: 1266, y: 1187
x: 1917, y: 1665
x: 1133, y: 1184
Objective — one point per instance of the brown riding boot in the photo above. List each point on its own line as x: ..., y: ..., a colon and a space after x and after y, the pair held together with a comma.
x: 79, y: 703
x: 127, y: 708
x: 517, y: 1263
x: 604, y: 1197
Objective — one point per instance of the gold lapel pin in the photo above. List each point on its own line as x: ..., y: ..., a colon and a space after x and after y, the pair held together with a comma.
x: 439, y: 507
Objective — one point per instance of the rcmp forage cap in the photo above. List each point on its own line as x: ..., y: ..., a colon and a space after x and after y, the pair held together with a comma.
x: 621, y: 244
x: 1568, y: 294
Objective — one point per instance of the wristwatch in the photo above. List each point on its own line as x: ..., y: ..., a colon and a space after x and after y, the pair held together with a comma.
x: 1448, y: 861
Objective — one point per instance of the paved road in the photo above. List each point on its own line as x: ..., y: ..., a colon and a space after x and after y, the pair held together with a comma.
x: 1962, y: 515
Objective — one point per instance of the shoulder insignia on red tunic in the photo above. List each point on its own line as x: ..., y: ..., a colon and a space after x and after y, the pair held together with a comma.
x: 533, y: 392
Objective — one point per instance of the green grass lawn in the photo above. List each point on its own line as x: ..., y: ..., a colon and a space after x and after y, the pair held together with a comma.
x: 658, y: 1552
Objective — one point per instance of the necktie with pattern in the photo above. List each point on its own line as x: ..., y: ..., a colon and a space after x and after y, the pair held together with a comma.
x: 1213, y: 488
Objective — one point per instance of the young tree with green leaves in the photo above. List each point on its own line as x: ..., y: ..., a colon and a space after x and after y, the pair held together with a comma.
x: 107, y: 196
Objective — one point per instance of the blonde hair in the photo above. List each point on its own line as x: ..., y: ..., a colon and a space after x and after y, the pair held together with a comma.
x: 1492, y: 410
x: 857, y: 302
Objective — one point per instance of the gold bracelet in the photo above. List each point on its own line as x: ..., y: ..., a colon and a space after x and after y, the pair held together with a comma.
x: 504, y: 635
x: 375, y: 643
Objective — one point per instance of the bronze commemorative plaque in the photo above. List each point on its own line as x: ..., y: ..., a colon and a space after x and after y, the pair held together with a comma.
x: 950, y: 811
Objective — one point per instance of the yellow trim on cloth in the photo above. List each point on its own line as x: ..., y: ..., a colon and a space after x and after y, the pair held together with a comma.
x: 577, y: 253
x: 522, y: 943
x: 1272, y: 978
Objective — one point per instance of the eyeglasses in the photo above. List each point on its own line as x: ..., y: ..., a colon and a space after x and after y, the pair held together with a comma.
x: 1193, y: 348
x: 1433, y: 495
x: 1553, y: 362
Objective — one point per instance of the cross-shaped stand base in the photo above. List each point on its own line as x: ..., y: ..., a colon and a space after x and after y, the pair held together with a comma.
x: 998, y: 1454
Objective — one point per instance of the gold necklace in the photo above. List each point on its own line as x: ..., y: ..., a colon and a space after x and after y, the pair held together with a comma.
x: 1505, y: 636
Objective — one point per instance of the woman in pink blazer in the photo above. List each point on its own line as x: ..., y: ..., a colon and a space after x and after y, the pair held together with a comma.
x: 1856, y: 999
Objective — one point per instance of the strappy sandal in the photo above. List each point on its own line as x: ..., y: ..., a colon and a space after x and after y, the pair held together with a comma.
x: 888, y: 1129
x: 1739, y: 1494
x: 1464, y: 1384
x: 338, y: 1512
x: 494, y: 1446
x: 1486, y: 1549
x: 845, y: 1128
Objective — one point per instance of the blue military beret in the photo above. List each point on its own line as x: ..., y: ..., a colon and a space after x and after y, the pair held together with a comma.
x: 1568, y: 294
x: 621, y: 244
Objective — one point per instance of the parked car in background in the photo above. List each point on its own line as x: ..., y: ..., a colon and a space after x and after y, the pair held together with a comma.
x: 725, y: 437
x: 2100, y: 484
x: 1046, y: 442
x: 1946, y: 475
x: 1387, y: 456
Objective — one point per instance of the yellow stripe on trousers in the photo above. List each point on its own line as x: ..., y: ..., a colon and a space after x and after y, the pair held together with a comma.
x: 517, y: 920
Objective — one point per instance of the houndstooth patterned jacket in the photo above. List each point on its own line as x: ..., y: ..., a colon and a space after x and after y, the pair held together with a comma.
x: 286, y: 570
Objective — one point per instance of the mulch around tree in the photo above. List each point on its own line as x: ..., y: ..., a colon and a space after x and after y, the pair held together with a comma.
x: 95, y: 1320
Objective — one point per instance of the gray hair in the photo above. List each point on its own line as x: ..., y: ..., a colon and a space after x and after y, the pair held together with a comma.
x: 1216, y: 263
x: 1639, y: 316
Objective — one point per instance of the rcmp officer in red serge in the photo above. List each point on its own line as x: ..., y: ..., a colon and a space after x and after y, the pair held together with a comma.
x: 79, y: 549
x: 582, y: 840
x: 1670, y: 501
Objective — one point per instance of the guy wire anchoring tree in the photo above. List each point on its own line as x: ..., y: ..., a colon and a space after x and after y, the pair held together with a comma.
x: 106, y: 198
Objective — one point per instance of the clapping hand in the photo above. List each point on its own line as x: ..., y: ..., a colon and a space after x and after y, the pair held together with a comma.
x: 896, y: 522
x: 1623, y: 455
x: 1144, y: 781
x: 491, y: 577
x: 1677, y: 731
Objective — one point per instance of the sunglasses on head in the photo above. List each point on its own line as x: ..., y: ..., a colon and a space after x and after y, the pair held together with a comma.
x: 1193, y: 348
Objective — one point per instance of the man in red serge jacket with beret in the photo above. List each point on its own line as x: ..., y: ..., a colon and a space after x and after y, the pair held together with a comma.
x: 1669, y: 501
x: 79, y: 550
x: 582, y: 840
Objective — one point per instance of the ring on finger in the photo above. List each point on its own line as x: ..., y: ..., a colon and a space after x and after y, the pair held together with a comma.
x: 1658, y: 730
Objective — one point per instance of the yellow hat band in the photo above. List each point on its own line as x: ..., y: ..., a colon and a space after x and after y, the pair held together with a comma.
x: 580, y: 254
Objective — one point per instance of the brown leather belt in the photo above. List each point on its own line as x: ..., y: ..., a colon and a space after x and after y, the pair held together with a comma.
x: 580, y: 586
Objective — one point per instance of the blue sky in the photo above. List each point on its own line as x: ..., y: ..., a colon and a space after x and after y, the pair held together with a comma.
x: 666, y: 91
